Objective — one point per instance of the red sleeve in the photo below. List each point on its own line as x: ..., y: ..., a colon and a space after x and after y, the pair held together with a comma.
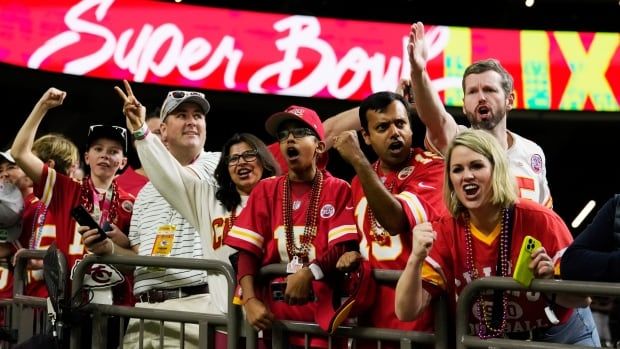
x: 246, y: 265
x: 327, y: 261
x: 252, y: 230
x: 341, y: 226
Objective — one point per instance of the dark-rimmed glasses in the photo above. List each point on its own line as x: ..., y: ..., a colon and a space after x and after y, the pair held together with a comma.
x: 298, y: 132
x: 247, y: 156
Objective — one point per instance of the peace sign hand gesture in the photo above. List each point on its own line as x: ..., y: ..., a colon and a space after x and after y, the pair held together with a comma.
x: 135, y: 113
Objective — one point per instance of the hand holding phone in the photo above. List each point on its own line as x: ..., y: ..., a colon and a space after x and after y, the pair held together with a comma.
x: 522, y: 273
x: 84, y: 218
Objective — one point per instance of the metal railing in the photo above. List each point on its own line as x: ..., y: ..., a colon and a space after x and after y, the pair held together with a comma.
x: 468, y: 296
x: 406, y: 338
x: 28, y: 315
x: 206, y: 322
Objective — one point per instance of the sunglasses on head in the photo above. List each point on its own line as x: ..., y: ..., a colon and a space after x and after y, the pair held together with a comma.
x: 298, y: 132
x: 120, y: 130
x: 247, y: 156
x: 178, y: 94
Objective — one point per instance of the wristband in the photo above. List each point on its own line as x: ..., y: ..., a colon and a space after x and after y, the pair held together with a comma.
x: 316, y: 271
x: 140, y: 133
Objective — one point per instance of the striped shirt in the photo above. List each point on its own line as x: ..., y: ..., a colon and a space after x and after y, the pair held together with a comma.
x: 151, y: 211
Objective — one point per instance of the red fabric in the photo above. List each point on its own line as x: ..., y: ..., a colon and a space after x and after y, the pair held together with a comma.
x: 131, y: 181
x: 447, y: 260
x: 259, y: 230
x: 418, y: 187
x: 63, y: 194
x: 274, y: 149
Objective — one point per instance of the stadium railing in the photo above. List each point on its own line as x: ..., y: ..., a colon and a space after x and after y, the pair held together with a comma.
x: 470, y: 292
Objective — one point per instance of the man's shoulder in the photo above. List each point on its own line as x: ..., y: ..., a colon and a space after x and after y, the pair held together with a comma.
x: 524, y: 144
x: 208, y: 157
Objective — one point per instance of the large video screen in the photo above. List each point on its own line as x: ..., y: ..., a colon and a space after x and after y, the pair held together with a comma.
x: 223, y: 49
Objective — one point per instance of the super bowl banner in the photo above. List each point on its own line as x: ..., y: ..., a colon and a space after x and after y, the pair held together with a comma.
x: 224, y: 49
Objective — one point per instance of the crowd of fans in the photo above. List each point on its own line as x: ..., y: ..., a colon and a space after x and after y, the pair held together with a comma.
x: 445, y: 213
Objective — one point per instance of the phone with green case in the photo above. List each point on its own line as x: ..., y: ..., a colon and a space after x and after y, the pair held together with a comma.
x: 522, y: 273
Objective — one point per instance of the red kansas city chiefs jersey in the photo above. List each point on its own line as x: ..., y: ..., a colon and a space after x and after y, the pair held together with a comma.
x: 260, y: 229
x: 418, y: 188
x: 60, y: 194
x: 446, y: 267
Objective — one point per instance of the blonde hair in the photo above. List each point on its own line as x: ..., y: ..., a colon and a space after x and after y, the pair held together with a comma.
x: 59, y: 149
x: 503, y: 183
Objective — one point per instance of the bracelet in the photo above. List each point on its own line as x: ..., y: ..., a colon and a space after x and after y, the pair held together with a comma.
x: 245, y: 301
x: 140, y: 133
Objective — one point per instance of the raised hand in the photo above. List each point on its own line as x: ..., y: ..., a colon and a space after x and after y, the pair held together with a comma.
x: 417, y: 48
x: 423, y: 238
x: 52, y: 98
x: 348, y: 146
x: 134, y: 111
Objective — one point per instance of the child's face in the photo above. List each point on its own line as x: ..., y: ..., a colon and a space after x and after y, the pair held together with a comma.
x: 300, y: 153
x: 105, y: 157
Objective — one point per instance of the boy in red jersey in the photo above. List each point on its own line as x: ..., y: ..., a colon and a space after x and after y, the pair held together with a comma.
x: 98, y: 193
x: 401, y: 189
x: 302, y: 218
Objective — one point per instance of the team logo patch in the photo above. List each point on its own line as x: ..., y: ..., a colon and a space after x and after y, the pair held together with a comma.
x: 127, y: 206
x: 405, y: 172
x: 296, y: 205
x: 100, y: 275
x: 327, y: 211
x: 536, y: 163
x: 296, y: 111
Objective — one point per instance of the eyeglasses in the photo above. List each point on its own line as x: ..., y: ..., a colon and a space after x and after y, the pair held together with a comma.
x: 299, y: 132
x: 248, y: 156
x: 120, y: 130
x: 178, y: 94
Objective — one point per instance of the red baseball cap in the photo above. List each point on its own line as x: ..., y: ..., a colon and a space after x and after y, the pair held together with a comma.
x: 305, y: 115
x: 361, y: 289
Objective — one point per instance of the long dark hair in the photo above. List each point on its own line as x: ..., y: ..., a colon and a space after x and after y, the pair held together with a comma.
x: 227, y: 192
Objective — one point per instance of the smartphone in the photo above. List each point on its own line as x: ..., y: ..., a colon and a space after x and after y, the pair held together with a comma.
x: 84, y: 218
x: 523, y: 274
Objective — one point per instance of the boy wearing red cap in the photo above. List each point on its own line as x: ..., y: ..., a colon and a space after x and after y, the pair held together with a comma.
x: 303, y: 218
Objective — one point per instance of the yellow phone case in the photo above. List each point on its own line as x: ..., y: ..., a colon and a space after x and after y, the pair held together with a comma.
x: 522, y: 273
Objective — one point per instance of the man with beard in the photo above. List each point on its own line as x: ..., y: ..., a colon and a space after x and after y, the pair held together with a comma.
x: 400, y: 190
x: 488, y: 97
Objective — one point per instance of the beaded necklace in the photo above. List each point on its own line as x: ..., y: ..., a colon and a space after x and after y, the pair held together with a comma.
x: 310, y: 227
x: 377, y: 232
x: 486, y: 330
x: 86, y: 198
x: 38, y: 222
